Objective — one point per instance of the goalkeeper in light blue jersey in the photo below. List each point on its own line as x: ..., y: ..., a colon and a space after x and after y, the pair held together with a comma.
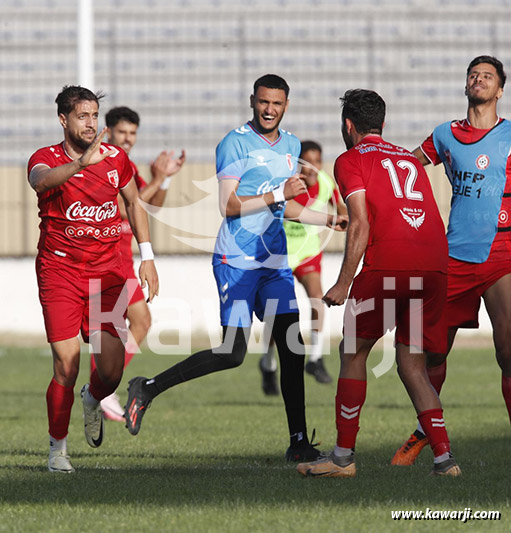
x: 256, y: 168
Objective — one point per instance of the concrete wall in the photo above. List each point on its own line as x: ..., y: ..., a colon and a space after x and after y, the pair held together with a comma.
x: 188, y: 304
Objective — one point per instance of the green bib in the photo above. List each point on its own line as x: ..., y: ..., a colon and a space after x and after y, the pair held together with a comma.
x: 303, y: 239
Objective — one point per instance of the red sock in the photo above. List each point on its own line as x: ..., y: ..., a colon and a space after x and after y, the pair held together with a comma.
x: 98, y: 389
x: 506, y: 392
x: 351, y: 395
x: 432, y: 422
x: 59, y: 400
x: 437, y: 376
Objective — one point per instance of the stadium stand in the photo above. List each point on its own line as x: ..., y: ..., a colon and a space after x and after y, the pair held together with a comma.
x: 187, y: 67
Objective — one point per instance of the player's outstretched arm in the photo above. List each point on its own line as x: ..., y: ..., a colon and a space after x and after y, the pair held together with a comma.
x: 137, y: 218
x: 356, y: 244
x: 419, y: 154
x: 299, y: 213
x: 43, y: 178
x: 233, y: 205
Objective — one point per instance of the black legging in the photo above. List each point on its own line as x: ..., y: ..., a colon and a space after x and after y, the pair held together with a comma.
x: 231, y: 354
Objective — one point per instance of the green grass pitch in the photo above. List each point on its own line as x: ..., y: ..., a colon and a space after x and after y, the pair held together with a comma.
x: 209, y: 456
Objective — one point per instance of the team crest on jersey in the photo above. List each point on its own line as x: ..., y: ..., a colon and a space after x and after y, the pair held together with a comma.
x: 113, y: 178
x: 289, y: 159
x: 415, y: 217
x: 483, y: 162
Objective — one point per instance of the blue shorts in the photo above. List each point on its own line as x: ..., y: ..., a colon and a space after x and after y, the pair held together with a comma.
x: 265, y: 291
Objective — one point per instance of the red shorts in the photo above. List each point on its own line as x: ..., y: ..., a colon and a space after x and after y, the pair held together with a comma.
x: 129, y: 273
x: 69, y: 306
x: 467, y: 282
x: 308, y: 265
x: 413, y: 302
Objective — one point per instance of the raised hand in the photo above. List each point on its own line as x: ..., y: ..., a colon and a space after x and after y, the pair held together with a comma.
x: 93, y: 155
x: 165, y: 165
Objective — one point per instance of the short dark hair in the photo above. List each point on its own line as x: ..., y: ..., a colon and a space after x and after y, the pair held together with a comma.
x: 310, y: 145
x: 272, y: 81
x: 499, y: 67
x: 116, y: 114
x: 71, y: 95
x: 366, y: 109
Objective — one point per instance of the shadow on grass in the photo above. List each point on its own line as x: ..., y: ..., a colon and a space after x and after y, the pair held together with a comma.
x: 207, y: 479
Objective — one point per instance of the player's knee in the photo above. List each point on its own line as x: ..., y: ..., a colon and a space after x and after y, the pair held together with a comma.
x: 503, y: 354
x: 233, y: 350
x: 236, y: 356
x: 112, y: 380
x: 67, y: 373
x: 145, y: 323
x: 435, y: 359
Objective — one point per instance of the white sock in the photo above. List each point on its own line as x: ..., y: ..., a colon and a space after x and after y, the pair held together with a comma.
x: 90, y: 400
x: 269, y: 361
x: 441, y: 458
x: 342, y: 452
x: 419, y: 428
x: 316, y: 346
x: 57, y: 445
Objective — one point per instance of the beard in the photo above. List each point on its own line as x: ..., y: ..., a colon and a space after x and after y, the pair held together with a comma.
x: 347, y: 139
x: 262, y: 129
x: 475, y: 100
x: 79, y: 142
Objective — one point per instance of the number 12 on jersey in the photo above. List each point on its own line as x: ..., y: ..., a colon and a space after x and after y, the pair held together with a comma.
x: 410, y: 179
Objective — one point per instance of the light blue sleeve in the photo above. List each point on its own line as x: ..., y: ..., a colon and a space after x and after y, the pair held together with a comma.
x: 230, y: 158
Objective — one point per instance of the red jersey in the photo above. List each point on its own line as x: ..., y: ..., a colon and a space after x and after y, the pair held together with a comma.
x: 80, y: 221
x: 406, y: 230
x: 307, y: 198
x: 464, y: 132
x: 126, y: 233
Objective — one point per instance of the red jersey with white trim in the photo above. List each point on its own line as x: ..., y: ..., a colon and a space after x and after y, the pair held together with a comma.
x: 126, y: 233
x: 80, y: 221
x: 464, y: 132
x: 406, y: 230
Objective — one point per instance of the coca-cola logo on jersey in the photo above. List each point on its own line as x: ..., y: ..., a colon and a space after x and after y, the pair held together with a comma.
x: 91, y: 213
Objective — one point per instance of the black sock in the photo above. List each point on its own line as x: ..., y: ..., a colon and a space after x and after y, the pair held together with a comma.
x: 229, y: 354
x: 291, y: 356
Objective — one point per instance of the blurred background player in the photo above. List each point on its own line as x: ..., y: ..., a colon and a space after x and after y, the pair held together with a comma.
x: 304, y: 258
x: 77, y: 184
x: 122, y: 127
x: 475, y: 153
x: 256, y: 165
x: 394, y: 223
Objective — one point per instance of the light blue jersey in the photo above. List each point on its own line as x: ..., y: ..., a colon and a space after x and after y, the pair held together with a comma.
x: 257, y: 239
x: 477, y: 172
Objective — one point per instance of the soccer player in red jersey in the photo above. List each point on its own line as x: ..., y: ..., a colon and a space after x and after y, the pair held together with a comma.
x: 394, y: 221
x: 476, y: 155
x: 78, y: 266
x: 122, y: 127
